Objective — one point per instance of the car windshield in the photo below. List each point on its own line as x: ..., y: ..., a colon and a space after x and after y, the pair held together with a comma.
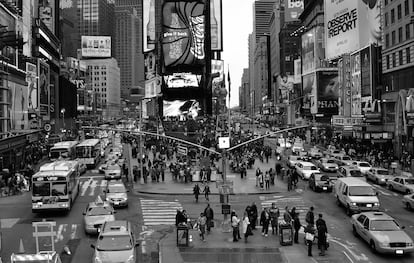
x: 382, y: 172
x: 330, y: 161
x: 346, y: 158
x: 384, y: 225
x: 364, y: 165
x: 113, y: 167
x: 355, y: 173
x: 409, y: 181
x: 361, y: 191
x: 324, y: 178
x: 114, y: 243
x: 309, y: 168
x: 99, y: 211
x: 116, y: 189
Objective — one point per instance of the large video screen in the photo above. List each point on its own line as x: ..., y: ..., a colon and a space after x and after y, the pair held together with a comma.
x: 183, y: 109
x: 182, y: 80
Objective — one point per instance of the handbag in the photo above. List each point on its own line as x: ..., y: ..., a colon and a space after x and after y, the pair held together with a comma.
x: 309, y: 236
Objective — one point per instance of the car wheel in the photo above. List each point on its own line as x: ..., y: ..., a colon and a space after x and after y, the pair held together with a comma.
x: 354, y: 231
x: 372, y: 246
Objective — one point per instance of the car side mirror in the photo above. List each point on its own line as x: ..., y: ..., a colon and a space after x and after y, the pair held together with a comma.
x: 93, y: 246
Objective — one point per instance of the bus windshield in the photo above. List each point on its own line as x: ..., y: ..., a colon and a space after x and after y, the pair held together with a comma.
x: 59, y: 188
x: 55, y: 154
x: 85, y: 151
x: 41, y: 189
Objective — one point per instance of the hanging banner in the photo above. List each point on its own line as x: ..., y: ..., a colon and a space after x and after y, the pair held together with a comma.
x: 44, y: 88
x: 148, y: 24
x: 356, y: 109
x: 216, y: 25
x: 31, y: 79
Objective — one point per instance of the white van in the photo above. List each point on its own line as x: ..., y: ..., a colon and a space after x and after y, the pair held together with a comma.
x: 355, y: 195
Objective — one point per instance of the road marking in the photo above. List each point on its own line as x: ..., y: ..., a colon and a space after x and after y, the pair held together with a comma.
x: 73, y: 231
x: 93, y: 187
x: 231, y: 176
x: 349, y: 258
x: 362, y: 257
x: 59, y: 235
x: 85, y: 186
x: 8, y: 222
x: 158, y: 212
x: 92, y: 177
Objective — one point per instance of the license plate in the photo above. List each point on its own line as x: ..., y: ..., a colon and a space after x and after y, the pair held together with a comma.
x: 116, y: 203
x: 112, y: 176
x: 325, y: 188
x: 399, y: 252
x: 369, y: 205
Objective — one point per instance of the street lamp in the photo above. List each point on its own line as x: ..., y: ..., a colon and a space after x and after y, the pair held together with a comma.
x: 63, y: 110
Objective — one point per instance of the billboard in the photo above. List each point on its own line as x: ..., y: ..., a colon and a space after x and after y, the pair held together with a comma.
x: 18, y: 106
x: 182, y: 109
x: 309, y: 51
x: 152, y: 87
x: 293, y: 9
x: 150, y: 66
x: 366, y: 73
x: 356, y: 110
x: 44, y: 88
x: 47, y: 13
x: 182, y: 80
x: 297, y: 69
x: 31, y: 79
x: 183, y: 27
x: 96, y: 46
x: 344, y: 100
x: 217, y: 66
x: 328, y: 92
x: 216, y: 25
x: 309, y: 92
x: 148, y: 17
x: 285, y: 88
x: 351, y: 25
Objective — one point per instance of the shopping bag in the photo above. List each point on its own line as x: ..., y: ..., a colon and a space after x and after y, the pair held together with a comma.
x: 309, y: 236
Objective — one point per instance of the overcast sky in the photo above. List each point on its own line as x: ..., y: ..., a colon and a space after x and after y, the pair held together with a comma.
x: 237, y: 25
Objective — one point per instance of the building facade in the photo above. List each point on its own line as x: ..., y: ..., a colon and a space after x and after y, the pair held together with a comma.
x: 262, y: 12
x: 244, y: 92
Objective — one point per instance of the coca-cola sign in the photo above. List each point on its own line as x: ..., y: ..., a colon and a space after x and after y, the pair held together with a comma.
x: 183, y: 36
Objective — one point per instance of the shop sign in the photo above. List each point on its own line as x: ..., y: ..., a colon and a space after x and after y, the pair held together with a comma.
x: 373, y: 117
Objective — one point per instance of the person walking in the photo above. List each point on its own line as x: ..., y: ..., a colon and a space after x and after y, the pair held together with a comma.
x: 289, y: 181
x: 261, y: 181
x: 235, y: 225
x: 201, y: 223
x: 287, y: 216
x: 267, y: 180
x: 196, y: 192
x: 258, y: 173
x: 246, y: 226
x: 206, y: 192
x: 253, y: 215
x: 310, y: 216
x: 209, y: 213
x: 264, y: 221
x: 274, y: 216
x: 296, y: 226
x: 309, y: 236
x: 322, y: 234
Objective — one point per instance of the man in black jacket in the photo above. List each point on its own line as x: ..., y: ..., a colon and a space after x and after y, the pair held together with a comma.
x: 209, y: 213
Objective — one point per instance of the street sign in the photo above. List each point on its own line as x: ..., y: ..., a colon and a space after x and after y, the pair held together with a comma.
x: 47, y: 127
x: 225, y: 209
x: 224, y: 142
x: 182, y: 150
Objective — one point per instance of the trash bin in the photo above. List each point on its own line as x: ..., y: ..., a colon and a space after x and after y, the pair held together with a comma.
x: 182, y: 235
x: 285, y: 234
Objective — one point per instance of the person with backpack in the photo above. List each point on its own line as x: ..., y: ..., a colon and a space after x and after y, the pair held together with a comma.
x: 309, y: 237
x: 196, y: 192
x: 310, y: 216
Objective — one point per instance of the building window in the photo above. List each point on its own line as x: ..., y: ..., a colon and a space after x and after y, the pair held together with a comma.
x: 393, y: 38
x: 400, y: 35
x: 406, y: 8
x: 399, y: 12
x: 388, y: 61
x: 407, y: 32
x: 386, y: 19
x: 400, y: 57
x: 392, y: 16
x: 387, y: 40
x: 394, y: 60
x: 408, y: 55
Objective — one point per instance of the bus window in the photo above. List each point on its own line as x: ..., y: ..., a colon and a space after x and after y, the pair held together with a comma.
x: 59, y: 188
x: 41, y: 189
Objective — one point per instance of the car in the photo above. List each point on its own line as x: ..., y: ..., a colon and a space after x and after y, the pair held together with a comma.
x: 349, y: 171
x: 292, y: 160
x: 113, y: 171
x: 344, y: 160
x: 96, y: 214
x: 116, y: 243
x: 117, y: 151
x: 320, y: 182
x: 408, y: 201
x: 305, y: 169
x: 327, y: 165
x: 382, y: 233
x: 315, y: 153
x: 298, y: 147
x: 116, y: 194
x: 402, y: 184
x: 378, y: 175
x: 362, y: 166
x: 336, y: 153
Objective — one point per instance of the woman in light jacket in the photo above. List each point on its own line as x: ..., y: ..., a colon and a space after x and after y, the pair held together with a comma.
x: 245, y: 226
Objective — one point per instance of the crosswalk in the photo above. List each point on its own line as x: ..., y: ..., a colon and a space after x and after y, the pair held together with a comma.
x: 158, y: 212
x: 282, y: 202
x: 92, y: 186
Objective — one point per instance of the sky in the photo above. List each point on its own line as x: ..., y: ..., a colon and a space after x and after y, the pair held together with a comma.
x: 237, y: 25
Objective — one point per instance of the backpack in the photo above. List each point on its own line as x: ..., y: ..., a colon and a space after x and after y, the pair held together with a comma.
x: 308, y: 217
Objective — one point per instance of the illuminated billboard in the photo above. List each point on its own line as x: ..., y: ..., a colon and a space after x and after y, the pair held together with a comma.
x: 356, y: 107
x: 328, y: 92
x: 216, y: 25
x: 96, y: 46
x: 309, y: 92
x: 183, y: 109
x: 312, y: 49
x: 182, y: 80
x: 217, y: 66
x: 148, y: 24
x: 183, y: 33
x: 44, y: 88
x: 285, y: 84
x: 152, y: 87
x: 293, y: 9
x: 150, y: 65
x: 31, y: 79
x: 351, y: 25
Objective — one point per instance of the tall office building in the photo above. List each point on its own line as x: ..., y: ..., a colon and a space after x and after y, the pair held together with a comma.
x: 128, y: 52
x: 129, y: 5
x: 262, y: 11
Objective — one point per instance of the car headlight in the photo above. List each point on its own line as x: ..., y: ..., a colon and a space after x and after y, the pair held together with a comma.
x: 97, y: 260
x: 409, y: 244
x: 376, y: 204
x: 353, y: 204
x: 131, y: 259
x: 384, y: 244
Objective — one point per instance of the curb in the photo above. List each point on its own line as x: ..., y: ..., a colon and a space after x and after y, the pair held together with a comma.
x: 190, y: 194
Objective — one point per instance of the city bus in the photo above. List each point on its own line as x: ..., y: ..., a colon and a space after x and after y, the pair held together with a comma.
x: 63, y: 150
x: 55, y: 186
x: 88, y: 152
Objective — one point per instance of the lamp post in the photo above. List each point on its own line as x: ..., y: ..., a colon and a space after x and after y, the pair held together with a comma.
x: 63, y: 110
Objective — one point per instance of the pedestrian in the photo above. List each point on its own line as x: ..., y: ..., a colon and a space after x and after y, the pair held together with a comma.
x: 206, y: 192
x: 162, y: 169
x: 309, y: 237
x: 201, y: 223
x: 253, y: 215
x: 258, y: 172
x: 287, y: 216
x: 209, y: 213
x: 196, y: 192
x: 289, y: 182
x: 180, y: 218
x: 267, y: 180
x: 272, y: 176
x: 261, y: 181
x: 264, y: 221
x: 246, y: 226
x: 310, y: 216
x: 296, y: 226
x: 274, y: 216
x: 235, y: 225
x: 322, y: 234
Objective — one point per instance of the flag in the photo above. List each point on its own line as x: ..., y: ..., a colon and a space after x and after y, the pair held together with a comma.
x: 228, y: 79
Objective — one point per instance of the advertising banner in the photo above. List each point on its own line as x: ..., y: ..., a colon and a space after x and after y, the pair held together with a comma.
x: 217, y: 66
x: 356, y: 108
x: 150, y: 66
x: 328, y: 92
x: 96, y: 46
x: 351, y: 25
x: 182, y: 80
x: 183, y: 36
x: 309, y: 92
x: 152, y: 87
x: 148, y: 17
x: 345, y: 83
x: 308, y: 51
x: 366, y: 73
x: 297, y: 69
x: 181, y: 108
x: 44, y: 88
x: 18, y: 106
x: 31, y: 79
x: 285, y: 88
x: 216, y: 24
x: 47, y: 13
x: 293, y: 9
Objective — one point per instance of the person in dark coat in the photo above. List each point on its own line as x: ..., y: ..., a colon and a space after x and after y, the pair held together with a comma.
x: 265, y: 221
x: 296, y: 227
x: 253, y: 215
x: 310, y: 216
x: 206, y: 192
x: 209, y: 213
x: 322, y: 234
x: 180, y: 218
x: 196, y: 192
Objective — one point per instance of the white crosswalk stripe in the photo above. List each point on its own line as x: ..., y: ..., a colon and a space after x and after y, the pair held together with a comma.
x: 92, y: 186
x: 158, y: 212
x: 281, y: 203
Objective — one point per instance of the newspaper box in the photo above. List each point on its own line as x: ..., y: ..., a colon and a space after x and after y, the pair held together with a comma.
x: 41, y: 257
x: 285, y: 234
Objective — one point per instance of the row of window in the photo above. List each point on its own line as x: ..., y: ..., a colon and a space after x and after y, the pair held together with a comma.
x: 391, y: 17
x: 391, y: 60
x: 393, y: 40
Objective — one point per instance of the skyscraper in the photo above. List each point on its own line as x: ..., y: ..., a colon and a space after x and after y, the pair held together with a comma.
x: 262, y: 11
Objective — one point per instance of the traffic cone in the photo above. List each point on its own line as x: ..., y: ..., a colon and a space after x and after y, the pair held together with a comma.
x: 21, y: 247
x: 67, y: 250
